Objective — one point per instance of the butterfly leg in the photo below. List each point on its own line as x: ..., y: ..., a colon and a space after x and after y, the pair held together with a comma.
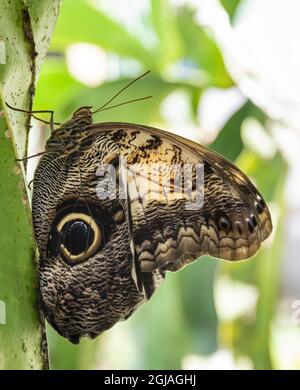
x: 51, y: 122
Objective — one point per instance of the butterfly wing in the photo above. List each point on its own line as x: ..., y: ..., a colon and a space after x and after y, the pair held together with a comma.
x: 230, y: 223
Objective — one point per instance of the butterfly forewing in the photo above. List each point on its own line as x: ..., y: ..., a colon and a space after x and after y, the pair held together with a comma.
x: 231, y: 223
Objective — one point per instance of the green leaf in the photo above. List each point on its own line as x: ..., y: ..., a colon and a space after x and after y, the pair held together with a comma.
x: 166, y: 27
x: 162, y: 322
x: 251, y: 335
x: 197, y: 289
x: 95, y: 27
x: 202, y: 49
x: 229, y: 142
x: 230, y: 6
x: 181, y: 318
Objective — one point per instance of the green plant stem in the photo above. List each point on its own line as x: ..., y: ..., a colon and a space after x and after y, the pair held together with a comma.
x: 25, y: 30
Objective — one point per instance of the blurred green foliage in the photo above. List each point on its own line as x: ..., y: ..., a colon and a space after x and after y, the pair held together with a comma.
x: 181, y: 318
x: 230, y: 6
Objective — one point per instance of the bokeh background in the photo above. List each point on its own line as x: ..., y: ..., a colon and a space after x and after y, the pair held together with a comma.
x: 226, y: 74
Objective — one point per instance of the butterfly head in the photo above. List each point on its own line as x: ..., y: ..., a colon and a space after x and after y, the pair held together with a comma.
x: 69, y: 135
x: 83, y: 113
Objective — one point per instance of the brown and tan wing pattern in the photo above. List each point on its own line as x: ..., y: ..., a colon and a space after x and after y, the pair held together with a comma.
x: 231, y: 223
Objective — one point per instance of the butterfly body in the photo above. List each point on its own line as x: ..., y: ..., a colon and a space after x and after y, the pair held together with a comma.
x: 103, y: 256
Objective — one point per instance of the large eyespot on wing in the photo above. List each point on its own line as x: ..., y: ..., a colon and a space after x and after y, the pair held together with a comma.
x: 82, y: 237
x: 231, y: 224
x: 75, y: 234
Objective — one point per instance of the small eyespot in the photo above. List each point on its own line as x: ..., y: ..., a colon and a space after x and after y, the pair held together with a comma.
x: 80, y: 237
x: 259, y: 204
x: 250, y: 225
x: 258, y: 207
x: 224, y: 224
x: 253, y: 219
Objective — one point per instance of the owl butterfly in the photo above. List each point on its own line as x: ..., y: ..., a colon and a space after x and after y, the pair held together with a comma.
x: 101, y: 257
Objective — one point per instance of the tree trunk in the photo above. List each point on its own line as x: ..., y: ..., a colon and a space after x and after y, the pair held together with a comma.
x: 25, y: 30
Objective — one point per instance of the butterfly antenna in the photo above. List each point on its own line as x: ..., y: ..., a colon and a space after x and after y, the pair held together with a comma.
x: 121, y: 90
x: 123, y: 103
